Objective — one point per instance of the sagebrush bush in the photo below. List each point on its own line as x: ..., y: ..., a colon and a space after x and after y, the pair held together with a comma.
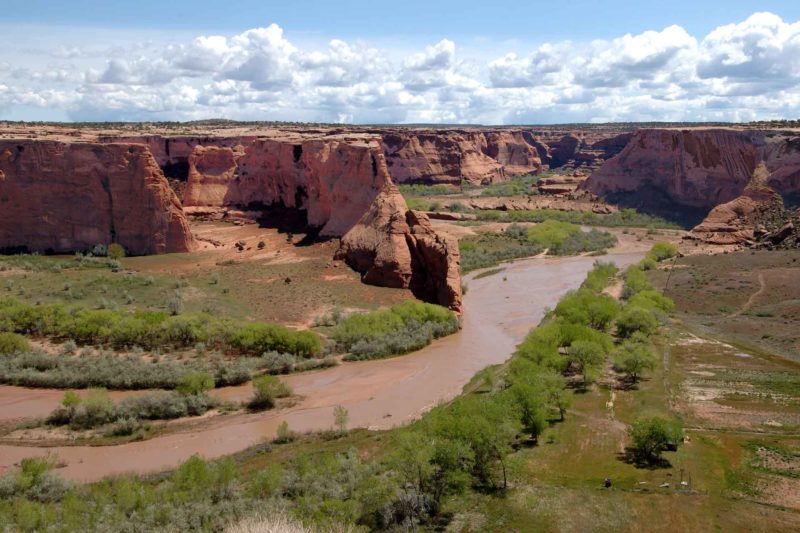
x: 152, y: 329
x: 12, y: 343
x: 400, y: 329
x: 97, y: 410
x: 39, y: 369
x: 266, y: 389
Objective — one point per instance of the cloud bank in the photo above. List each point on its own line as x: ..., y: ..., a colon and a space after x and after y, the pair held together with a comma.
x: 743, y: 71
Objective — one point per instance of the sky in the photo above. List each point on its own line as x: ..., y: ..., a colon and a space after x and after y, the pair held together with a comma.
x: 497, y: 62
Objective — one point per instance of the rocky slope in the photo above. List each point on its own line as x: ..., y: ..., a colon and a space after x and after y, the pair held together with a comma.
x: 699, y: 168
x: 758, y: 211
x: 63, y: 197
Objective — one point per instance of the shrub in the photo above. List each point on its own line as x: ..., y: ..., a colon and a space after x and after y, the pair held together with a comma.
x: 340, y: 418
x: 652, y: 299
x: 636, y: 319
x: 588, y: 356
x: 662, y: 250
x: 403, y: 328
x: 151, y: 329
x: 588, y: 308
x: 257, y: 338
x: 633, y: 358
x: 635, y: 281
x: 283, y: 433
x: 652, y: 436
x: 600, y: 276
x: 265, y: 390
x: 12, y: 343
x: 195, y: 383
x: 115, y: 251
x: 35, y: 481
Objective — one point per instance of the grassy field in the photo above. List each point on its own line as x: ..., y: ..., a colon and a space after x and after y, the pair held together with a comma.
x: 747, y: 298
x: 282, y: 283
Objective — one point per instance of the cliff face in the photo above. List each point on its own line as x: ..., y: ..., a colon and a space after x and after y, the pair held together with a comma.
x: 343, y: 185
x: 744, y: 219
x: 485, y: 156
x: 65, y: 197
x: 700, y: 167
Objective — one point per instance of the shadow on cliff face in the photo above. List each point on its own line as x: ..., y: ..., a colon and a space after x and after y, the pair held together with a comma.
x: 289, y: 221
x: 655, y: 201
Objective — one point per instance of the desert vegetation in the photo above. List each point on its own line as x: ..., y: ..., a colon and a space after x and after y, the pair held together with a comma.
x: 403, y: 328
x: 152, y: 329
x: 454, y: 453
x: 557, y: 238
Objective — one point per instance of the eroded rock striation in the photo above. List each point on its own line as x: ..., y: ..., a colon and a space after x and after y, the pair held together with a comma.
x: 61, y: 197
x: 758, y: 211
x: 699, y: 168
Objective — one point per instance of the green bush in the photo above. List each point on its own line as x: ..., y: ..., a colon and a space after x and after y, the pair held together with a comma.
x: 115, y: 251
x: 662, y: 250
x: 12, y: 343
x: 654, y: 435
x: 652, y: 299
x: 588, y: 308
x: 600, y: 276
x: 151, y: 329
x: 195, y: 383
x: 633, y: 358
x: 588, y: 356
x: 38, y: 369
x: 626, y: 218
x: 98, y: 410
x: 636, y: 319
x: 265, y: 390
x: 400, y: 329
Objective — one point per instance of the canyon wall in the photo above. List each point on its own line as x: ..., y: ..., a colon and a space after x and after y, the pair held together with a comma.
x: 429, y: 155
x: 343, y: 185
x: 481, y: 156
x: 699, y: 168
x: 62, y: 197
x: 757, y: 212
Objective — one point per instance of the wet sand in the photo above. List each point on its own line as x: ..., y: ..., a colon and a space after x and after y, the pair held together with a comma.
x: 499, y: 310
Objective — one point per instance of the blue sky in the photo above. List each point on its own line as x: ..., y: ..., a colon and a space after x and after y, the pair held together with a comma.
x: 436, y: 61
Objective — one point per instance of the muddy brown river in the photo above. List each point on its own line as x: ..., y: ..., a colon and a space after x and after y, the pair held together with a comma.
x: 499, y: 310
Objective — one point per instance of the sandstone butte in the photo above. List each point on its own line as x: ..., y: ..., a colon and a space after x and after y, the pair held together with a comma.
x: 66, y: 196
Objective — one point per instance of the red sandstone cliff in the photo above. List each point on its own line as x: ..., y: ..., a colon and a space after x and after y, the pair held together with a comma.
x: 757, y: 211
x: 343, y: 185
x: 65, y: 197
x: 700, y: 167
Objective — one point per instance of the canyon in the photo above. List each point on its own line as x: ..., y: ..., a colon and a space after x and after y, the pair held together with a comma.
x: 68, y: 188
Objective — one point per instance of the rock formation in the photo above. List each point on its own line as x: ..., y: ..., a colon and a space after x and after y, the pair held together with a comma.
x: 746, y: 218
x: 69, y: 196
x: 343, y: 186
x: 62, y: 197
x: 395, y: 247
x: 700, y: 167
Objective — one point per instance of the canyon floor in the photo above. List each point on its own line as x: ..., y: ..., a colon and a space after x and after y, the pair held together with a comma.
x: 727, y: 366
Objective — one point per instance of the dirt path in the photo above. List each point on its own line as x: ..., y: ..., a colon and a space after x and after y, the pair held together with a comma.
x: 750, y: 301
x: 499, y: 311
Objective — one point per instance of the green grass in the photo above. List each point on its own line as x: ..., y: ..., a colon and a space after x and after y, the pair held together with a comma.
x: 625, y: 218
